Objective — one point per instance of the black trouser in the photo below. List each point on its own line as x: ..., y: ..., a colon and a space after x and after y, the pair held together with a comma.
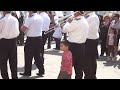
x: 90, y: 65
x: 57, y: 41
x: 33, y: 48
x: 20, y: 39
x: 78, y: 54
x: 118, y: 37
x: 8, y: 50
x: 44, y: 37
x: 103, y: 47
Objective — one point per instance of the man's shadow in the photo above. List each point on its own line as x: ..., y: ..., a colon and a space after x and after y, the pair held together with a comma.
x: 102, y: 58
x: 21, y: 69
x: 53, y: 52
x: 32, y: 77
x: 115, y: 63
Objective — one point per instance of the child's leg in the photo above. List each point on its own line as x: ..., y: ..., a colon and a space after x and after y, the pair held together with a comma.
x: 109, y: 50
x: 113, y: 51
x: 68, y: 77
x: 64, y: 75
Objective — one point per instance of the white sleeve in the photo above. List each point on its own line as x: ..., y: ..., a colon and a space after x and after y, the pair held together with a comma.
x: 65, y: 27
x: 69, y: 27
x: 2, y: 23
x: 47, y: 23
x: 27, y: 23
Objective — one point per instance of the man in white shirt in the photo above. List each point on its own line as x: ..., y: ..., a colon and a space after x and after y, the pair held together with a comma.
x: 9, y: 30
x: 45, y: 27
x: 116, y: 24
x: 91, y: 45
x: 33, y: 45
x: 77, y: 34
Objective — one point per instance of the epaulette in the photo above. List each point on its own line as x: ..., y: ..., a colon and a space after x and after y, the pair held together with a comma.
x: 87, y: 16
x: 77, y: 19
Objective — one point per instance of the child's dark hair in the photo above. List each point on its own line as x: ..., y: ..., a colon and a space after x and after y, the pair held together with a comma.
x: 66, y: 43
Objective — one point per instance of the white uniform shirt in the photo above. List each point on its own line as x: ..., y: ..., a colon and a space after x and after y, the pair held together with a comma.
x: 9, y: 27
x: 56, y: 19
x: 58, y: 32
x: 93, y: 22
x: 46, y: 21
x: 77, y: 29
x: 34, y: 25
x: 115, y: 25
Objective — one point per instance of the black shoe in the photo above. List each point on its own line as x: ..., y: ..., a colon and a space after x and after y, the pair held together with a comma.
x: 40, y: 74
x: 34, y: 62
x: 56, y: 48
x: 24, y: 74
x: 101, y: 55
x: 21, y: 44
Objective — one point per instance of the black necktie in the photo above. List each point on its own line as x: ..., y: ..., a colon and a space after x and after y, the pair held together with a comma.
x: 2, y: 17
x: 86, y: 16
x: 77, y: 19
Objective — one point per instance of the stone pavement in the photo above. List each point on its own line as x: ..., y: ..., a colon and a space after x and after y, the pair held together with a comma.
x: 105, y: 70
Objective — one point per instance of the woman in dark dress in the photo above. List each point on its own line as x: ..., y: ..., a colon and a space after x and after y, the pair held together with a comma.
x: 103, y: 34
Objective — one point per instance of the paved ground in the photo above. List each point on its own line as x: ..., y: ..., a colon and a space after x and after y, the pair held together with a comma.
x: 106, y: 70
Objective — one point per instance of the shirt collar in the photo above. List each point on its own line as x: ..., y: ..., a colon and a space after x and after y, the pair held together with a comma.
x: 42, y: 13
x: 7, y: 15
x: 34, y: 14
x: 91, y: 13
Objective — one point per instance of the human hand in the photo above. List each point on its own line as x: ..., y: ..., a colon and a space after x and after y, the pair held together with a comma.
x: 70, y: 20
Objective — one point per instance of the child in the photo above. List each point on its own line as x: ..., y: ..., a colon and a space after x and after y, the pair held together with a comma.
x: 112, y: 43
x: 66, y: 64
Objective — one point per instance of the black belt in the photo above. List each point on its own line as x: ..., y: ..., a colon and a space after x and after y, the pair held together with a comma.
x: 34, y: 37
x: 7, y: 39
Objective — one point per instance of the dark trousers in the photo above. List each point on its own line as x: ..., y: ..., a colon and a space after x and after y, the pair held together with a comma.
x: 103, y: 47
x: 118, y: 37
x: 90, y: 64
x: 78, y: 54
x: 63, y: 75
x: 44, y: 37
x: 20, y: 38
x: 33, y: 48
x: 8, y: 50
x: 111, y: 50
x: 57, y: 41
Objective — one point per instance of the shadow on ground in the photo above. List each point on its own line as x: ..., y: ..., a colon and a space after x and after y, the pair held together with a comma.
x: 32, y: 77
x: 112, y: 63
x: 21, y: 69
x: 53, y: 52
x: 102, y: 58
x: 115, y: 63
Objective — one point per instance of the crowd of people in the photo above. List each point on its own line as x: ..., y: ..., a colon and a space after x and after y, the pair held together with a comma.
x: 109, y: 36
x: 84, y: 30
